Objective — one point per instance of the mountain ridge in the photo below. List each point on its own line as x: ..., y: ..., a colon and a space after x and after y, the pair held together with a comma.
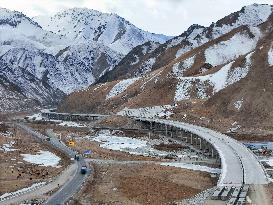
x: 194, y: 36
x: 216, y: 84
x: 57, y: 64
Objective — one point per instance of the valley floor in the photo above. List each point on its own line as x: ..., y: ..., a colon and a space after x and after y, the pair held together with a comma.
x: 18, y: 161
x: 120, y: 177
x: 127, y: 165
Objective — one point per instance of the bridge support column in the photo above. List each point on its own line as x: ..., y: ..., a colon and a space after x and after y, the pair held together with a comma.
x: 200, y: 143
x: 185, y: 136
x: 212, y: 153
x: 191, y: 138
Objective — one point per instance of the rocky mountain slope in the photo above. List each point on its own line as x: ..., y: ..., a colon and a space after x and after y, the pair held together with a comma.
x: 225, y: 83
x: 44, y: 63
x: 81, y: 24
x: 137, y: 63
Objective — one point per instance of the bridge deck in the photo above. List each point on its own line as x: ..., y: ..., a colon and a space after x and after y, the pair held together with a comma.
x: 239, y: 165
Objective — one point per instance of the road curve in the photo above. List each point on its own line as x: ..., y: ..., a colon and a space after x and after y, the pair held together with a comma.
x: 239, y: 165
x: 74, y: 184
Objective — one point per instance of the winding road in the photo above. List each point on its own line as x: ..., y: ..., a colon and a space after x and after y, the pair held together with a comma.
x: 73, y: 185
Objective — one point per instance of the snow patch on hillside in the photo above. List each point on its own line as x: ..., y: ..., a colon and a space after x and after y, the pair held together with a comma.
x: 120, y: 87
x: 239, y: 73
x: 180, y: 67
x: 136, y: 61
x: 270, y: 57
x: 219, y: 80
x: 223, y: 52
x: 234, y: 127
x: 238, y: 104
x: 148, y: 112
x: 146, y: 66
x: 252, y: 15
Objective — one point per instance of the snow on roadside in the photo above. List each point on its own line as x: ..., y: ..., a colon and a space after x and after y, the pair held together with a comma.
x: 43, y: 158
x: 192, y: 167
x: 18, y: 192
x: 148, y: 112
x: 120, y: 87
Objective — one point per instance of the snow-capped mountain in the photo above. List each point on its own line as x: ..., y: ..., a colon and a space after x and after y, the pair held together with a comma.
x: 53, y: 62
x: 226, y: 81
x: 82, y: 25
x: 19, y: 84
x: 195, y: 36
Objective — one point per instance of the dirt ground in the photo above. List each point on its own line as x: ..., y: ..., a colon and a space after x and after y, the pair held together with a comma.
x: 261, y: 194
x: 253, y: 137
x: 15, y: 172
x: 135, y: 184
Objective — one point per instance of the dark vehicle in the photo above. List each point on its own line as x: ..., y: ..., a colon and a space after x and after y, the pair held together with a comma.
x: 83, y: 170
x: 77, y: 157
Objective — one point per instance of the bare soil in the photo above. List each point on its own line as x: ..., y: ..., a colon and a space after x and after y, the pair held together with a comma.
x: 15, y: 172
x: 253, y: 137
x: 261, y: 194
x: 169, y: 147
x: 137, y: 184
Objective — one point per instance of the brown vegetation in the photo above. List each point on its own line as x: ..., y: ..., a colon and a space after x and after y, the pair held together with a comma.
x: 142, y: 184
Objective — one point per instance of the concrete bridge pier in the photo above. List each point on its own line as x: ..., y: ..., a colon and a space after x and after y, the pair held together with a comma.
x: 151, y: 126
x: 166, y: 130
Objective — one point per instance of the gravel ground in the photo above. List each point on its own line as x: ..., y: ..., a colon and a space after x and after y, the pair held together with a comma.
x: 198, y: 199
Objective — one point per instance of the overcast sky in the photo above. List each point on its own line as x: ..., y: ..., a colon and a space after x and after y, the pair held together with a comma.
x: 170, y: 17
